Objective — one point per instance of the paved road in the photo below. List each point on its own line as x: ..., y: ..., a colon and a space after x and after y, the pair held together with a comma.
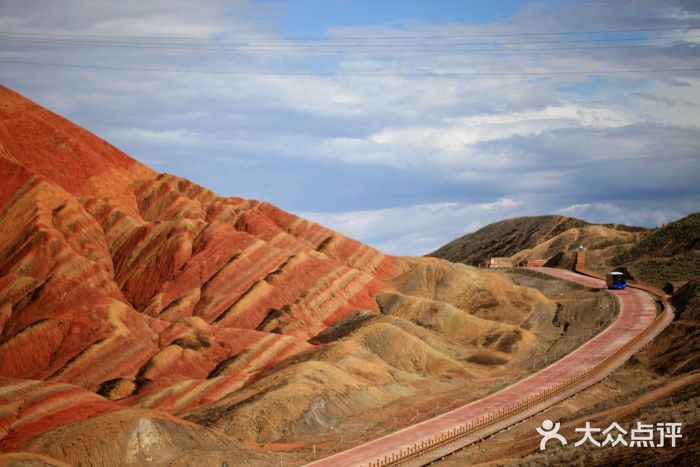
x: 637, y: 311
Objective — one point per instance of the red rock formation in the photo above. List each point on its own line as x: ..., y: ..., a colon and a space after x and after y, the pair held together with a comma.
x: 30, y: 408
x: 147, y: 288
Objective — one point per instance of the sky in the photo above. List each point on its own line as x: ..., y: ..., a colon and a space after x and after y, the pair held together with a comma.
x: 402, y: 124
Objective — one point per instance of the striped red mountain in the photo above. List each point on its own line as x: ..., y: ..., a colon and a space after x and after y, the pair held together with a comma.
x: 113, y: 277
x: 128, y: 296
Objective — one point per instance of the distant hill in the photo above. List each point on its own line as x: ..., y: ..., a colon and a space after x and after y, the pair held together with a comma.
x: 553, y: 238
x: 667, y: 257
x: 672, y: 239
x: 505, y: 238
x: 670, y: 254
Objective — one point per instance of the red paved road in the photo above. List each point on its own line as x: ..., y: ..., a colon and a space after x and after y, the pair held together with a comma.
x: 637, y: 311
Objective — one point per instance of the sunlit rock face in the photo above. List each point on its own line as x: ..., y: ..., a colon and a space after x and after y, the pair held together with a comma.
x: 111, y: 271
x: 123, y: 290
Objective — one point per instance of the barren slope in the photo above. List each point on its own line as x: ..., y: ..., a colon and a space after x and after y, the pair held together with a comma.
x: 420, y: 346
x: 505, y: 238
x: 552, y: 238
x: 124, y: 290
x: 601, y: 244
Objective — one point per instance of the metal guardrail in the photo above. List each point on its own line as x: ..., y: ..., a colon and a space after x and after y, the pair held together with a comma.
x: 584, y: 379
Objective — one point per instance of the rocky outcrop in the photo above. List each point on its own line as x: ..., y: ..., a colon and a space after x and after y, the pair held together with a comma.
x: 111, y: 271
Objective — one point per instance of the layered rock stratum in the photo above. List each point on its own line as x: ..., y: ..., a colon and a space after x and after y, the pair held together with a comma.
x: 144, y: 308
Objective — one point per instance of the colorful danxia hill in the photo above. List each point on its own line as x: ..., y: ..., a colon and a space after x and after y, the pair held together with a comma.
x: 145, y: 318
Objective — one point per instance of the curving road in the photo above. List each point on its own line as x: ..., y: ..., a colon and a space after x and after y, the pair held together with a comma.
x: 637, y: 312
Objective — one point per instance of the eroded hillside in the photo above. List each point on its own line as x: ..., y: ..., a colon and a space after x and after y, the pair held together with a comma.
x: 133, y: 303
x: 552, y: 238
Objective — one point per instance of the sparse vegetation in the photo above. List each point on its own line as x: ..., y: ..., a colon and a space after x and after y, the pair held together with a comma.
x: 671, y: 253
x: 672, y: 239
x: 676, y: 268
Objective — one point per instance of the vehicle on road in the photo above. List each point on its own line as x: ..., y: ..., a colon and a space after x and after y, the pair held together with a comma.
x: 615, y: 280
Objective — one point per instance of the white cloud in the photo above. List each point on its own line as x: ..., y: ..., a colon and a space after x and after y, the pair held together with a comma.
x: 575, y: 209
x: 651, y: 216
x: 416, y: 229
x: 542, y: 142
x: 154, y: 137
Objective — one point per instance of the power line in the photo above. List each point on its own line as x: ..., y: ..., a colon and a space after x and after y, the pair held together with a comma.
x: 335, y: 46
x: 351, y: 74
x: 364, y: 51
x: 327, y: 38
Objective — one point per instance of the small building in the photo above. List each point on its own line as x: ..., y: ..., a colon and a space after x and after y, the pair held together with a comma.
x: 500, y: 263
x: 581, y: 258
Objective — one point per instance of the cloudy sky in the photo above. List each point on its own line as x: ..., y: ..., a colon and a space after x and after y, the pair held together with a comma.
x: 403, y: 124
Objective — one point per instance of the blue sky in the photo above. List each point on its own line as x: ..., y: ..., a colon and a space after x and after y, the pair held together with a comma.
x: 403, y: 124
x: 315, y: 17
